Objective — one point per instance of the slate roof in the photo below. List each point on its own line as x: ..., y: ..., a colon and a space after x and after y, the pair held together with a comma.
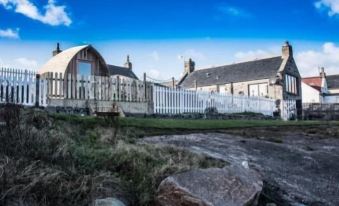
x: 240, y: 72
x: 332, y: 81
x: 314, y: 82
x: 122, y: 71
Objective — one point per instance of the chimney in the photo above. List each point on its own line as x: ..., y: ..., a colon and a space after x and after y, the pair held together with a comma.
x: 128, y: 63
x: 189, y: 66
x: 322, y: 72
x: 57, y: 50
x: 287, y: 50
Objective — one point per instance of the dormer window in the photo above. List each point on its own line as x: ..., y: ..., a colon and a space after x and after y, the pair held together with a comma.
x: 208, y: 75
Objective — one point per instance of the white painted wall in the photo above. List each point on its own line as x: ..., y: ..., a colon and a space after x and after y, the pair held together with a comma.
x: 309, y: 94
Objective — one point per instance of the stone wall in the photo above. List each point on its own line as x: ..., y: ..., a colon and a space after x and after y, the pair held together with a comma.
x: 100, y: 106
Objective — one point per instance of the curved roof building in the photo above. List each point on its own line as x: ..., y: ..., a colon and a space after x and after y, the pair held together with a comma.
x: 84, y: 60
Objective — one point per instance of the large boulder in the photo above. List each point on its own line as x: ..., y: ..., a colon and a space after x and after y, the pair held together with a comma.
x: 109, y: 202
x: 231, y: 186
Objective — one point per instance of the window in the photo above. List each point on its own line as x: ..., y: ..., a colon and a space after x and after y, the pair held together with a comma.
x: 291, y: 84
x: 258, y: 90
x: 84, y: 68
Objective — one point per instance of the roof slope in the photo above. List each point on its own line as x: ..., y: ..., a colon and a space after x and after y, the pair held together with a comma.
x: 241, y: 72
x: 122, y: 71
x: 332, y: 81
x: 59, y: 62
x: 314, y: 82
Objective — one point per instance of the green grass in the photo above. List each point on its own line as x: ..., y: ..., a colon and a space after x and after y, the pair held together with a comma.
x: 181, y: 124
x: 210, y: 124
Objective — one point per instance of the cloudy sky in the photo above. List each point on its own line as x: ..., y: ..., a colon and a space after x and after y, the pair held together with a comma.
x: 160, y: 35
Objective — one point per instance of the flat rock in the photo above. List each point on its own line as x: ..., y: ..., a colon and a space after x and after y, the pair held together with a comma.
x: 108, y: 202
x: 231, y: 186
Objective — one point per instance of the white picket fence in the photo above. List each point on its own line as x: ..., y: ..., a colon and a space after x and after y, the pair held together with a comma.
x: 178, y: 101
x: 99, y: 88
x: 23, y: 87
x: 17, y: 86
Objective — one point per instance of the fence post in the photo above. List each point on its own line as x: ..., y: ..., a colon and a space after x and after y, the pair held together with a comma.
x: 37, y: 90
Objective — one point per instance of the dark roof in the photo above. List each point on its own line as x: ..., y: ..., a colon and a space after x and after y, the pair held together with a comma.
x: 332, y: 81
x: 241, y: 72
x: 122, y: 71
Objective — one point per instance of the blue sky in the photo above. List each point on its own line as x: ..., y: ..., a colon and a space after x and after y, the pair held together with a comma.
x: 160, y: 35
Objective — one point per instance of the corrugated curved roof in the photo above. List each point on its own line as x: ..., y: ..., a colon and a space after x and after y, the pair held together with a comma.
x: 59, y: 62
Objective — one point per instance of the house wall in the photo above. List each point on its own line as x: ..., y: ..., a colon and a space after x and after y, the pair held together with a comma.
x: 291, y: 68
x: 310, y: 95
x: 242, y: 88
x: 98, y: 67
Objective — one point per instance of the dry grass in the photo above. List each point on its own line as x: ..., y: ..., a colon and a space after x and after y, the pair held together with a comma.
x: 44, y: 161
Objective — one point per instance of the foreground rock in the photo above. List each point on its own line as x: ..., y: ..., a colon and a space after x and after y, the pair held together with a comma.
x: 298, y: 168
x: 108, y: 202
x: 233, y: 186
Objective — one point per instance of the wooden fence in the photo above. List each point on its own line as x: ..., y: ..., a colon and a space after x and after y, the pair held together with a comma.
x: 99, y: 88
x: 321, y: 111
x: 178, y: 101
x: 28, y: 88
x: 17, y: 86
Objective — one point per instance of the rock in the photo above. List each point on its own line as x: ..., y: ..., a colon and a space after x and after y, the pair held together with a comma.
x: 271, y: 204
x: 231, y: 186
x: 108, y: 202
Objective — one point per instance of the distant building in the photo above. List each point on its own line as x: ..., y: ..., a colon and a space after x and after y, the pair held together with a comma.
x: 276, y: 77
x: 85, y: 60
x: 321, y: 89
x: 79, y: 63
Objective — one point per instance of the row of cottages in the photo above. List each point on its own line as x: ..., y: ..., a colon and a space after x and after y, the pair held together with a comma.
x: 321, y: 89
x: 276, y: 78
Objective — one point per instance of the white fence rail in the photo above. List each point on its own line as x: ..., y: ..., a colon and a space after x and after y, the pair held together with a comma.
x: 17, y: 86
x: 23, y: 87
x: 178, y: 101
x: 99, y: 88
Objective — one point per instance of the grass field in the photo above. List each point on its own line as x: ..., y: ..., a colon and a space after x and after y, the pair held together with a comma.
x: 181, y: 124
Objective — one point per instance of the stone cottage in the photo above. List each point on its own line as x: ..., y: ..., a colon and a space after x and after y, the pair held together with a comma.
x: 276, y: 78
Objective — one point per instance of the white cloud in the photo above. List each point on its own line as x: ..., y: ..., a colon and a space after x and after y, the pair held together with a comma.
x: 154, y: 73
x: 9, y: 33
x: 331, y: 5
x: 309, y: 61
x: 53, y: 15
x: 20, y: 63
x: 26, y: 63
x: 155, y: 56
x: 253, y: 55
x: 233, y: 11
